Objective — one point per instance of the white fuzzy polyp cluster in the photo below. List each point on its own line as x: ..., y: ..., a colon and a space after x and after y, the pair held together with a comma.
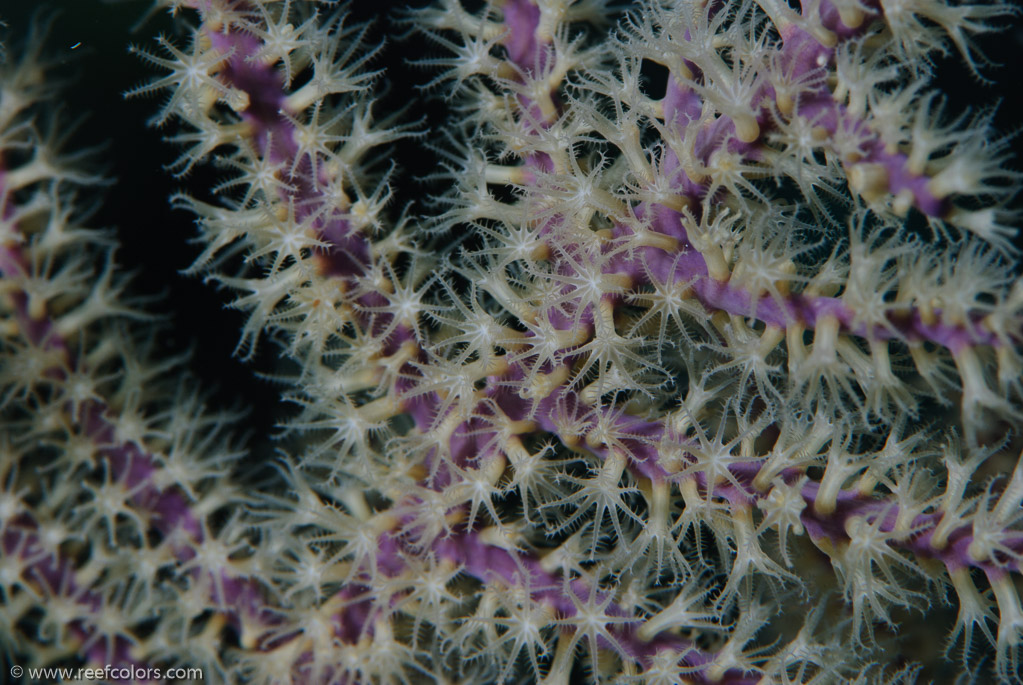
x: 704, y: 366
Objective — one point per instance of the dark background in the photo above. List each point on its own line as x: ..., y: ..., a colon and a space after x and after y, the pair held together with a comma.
x: 93, y: 77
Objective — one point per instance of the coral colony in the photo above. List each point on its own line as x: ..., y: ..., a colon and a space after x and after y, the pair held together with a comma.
x: 703, y: 364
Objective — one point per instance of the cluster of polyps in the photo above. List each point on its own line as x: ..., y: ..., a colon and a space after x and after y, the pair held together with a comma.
x: 656, y: 414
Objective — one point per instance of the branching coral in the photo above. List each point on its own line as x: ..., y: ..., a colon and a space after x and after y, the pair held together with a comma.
x: 707, y: 377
